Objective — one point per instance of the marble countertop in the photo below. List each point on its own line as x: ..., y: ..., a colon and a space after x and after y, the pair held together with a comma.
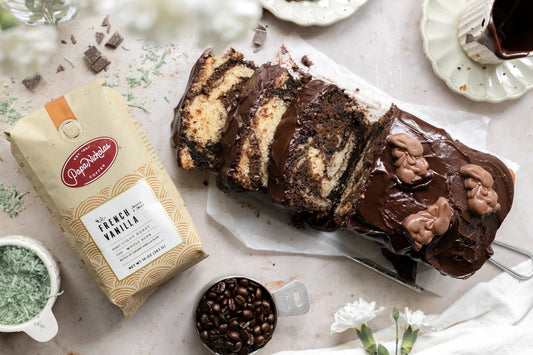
x: 382, y: 44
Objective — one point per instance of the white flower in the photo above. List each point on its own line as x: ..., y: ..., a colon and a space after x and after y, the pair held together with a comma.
x: 416, y: 319
x: 353, y: 315
x: 23, y: 50
x: 226, y: 21
x: 214, y: 23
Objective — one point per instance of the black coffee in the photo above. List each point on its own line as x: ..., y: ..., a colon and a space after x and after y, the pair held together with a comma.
x: 236, y: 316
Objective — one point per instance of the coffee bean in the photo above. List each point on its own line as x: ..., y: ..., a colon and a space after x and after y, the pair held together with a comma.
x: 247, y: 314
x: 237, y: 346
x: 220, y: 287
x: 265, y: 327
x: 234, y: 335
x: 240, y: 300
x: 234, y: 324
x: 235, y: 316
x: 231, y: 304
x: 242, y: 291
x: 259, y: 340
x: 223, y: 328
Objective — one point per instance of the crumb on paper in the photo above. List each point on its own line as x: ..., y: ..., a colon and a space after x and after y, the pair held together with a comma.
x: 73, y: 39
x: 60, y: 68
x: 32, y: 82
x: 306, y: 61
x: 463, y: 88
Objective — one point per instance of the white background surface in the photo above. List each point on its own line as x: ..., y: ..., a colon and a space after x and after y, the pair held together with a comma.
x: 381, y: 43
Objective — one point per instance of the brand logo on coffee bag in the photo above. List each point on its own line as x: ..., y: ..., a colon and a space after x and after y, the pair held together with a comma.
x: 89, y: 162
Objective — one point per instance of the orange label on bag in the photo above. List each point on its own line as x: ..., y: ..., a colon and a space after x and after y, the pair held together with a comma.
x: 59, y: 111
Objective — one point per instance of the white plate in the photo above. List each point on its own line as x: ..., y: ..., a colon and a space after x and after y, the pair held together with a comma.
x: 309, y: 13
x: 478, y: 82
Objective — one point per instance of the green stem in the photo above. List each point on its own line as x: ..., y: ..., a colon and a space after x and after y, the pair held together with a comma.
x: 395, y: 316
x: 6, y: 19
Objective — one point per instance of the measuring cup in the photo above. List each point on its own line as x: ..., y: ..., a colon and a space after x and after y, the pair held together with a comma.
x: 43, y: 327
x: 237, y: 312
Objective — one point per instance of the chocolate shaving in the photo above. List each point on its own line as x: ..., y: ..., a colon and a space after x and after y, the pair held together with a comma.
x: 115, y: 40
x: 60, y: 68
x: 73, y: 39
x: 31, y: 82
x: 63, y: 41
x: 259, y: 36
x: 99, y: 37
x: 105, y: 22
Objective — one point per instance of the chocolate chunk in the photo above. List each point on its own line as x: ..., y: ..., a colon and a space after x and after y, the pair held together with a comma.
x: 92, y: 54
x: 60, y: 68
x: 99, y: 37
x: 100, y: 64
x: 306, y: 61
x: 31, y: 82
x: 115, y: 40
x: 259, y: 36
x: 73, y: 39
x: 105, y: 22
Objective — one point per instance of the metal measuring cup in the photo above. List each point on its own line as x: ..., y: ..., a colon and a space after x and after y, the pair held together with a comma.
x: 232, y: 321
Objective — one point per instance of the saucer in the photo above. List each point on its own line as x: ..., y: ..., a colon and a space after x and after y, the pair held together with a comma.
x: 478, y: 82
x: 309, y: 13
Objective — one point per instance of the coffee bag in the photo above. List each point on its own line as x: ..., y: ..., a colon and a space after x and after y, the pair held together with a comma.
x: 108, y: 192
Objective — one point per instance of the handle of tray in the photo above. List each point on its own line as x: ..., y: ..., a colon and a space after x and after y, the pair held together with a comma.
x: 509, y: 270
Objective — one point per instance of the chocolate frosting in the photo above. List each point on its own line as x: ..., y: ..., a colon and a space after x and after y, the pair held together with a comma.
x: 330, y: 127
x: 259, y: 88
x: 466, y: 244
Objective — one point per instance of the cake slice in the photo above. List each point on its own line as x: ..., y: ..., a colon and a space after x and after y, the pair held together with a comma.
x: 423, y: 194
x: 314, y: 147
x: 200, y: 117
x: 246, y: 142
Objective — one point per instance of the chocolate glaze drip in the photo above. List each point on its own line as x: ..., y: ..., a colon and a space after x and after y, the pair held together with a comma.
x: 205, y: 157
x: 466, y: 245
x: 511, y: 28
x: 196, y: 72
x: 324, y: 113
x: 259, y: 88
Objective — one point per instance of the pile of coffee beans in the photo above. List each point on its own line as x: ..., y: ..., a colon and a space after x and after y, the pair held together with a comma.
x: 236, y: 316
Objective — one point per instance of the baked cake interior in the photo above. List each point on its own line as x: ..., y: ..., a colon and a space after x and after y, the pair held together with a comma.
x: 201, y: 116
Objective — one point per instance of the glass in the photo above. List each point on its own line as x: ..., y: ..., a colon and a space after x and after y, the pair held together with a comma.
x: 42, y: 12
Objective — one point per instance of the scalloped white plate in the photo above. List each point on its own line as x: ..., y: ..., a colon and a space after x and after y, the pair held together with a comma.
x: 478, y: 82
x: 309, y: 13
